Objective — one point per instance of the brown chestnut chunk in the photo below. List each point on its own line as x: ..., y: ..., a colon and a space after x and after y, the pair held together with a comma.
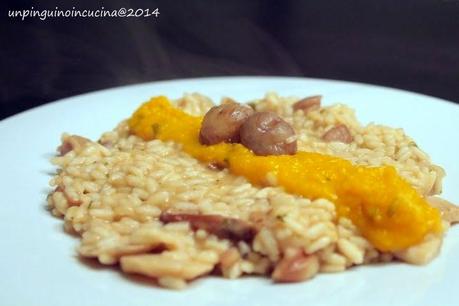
x: 222, y: 123
x: 222, y: 227
x: 339, y: 133
x: 265, y: 133
x: 297, y: 268
x: 72, y: 143
x: 308, y: 104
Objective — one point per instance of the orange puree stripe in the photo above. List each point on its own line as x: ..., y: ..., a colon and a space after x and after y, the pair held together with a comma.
x: 384, y: 207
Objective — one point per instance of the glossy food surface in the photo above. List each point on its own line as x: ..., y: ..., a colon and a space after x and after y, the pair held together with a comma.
x: 385, y: 208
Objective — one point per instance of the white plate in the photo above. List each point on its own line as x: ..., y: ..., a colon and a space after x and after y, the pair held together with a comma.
x: 38, y: 262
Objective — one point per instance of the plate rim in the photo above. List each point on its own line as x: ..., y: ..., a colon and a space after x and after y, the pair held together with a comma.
x: 232, y: 78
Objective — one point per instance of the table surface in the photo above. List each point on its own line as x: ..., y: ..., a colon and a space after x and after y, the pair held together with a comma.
x: 411, y: 45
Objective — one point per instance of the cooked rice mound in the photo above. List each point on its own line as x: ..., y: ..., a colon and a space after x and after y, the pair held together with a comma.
x: 113, y: 192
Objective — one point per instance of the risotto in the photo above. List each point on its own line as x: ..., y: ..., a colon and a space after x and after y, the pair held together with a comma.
x: 150, y: 207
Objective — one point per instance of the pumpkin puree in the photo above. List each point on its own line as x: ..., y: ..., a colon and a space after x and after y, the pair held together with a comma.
x: 385, y: 208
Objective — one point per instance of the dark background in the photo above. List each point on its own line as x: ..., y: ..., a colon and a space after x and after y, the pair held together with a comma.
x: 410, y: 44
